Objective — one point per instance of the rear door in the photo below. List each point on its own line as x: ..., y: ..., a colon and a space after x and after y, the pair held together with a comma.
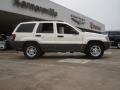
x: 46, y: 36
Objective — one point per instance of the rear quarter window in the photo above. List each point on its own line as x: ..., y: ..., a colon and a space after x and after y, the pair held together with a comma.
x: 26, y: 27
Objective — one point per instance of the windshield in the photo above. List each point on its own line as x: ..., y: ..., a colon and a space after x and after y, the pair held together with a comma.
x: 105, y: 33
x: 81, y: 29
x: 87, y: 30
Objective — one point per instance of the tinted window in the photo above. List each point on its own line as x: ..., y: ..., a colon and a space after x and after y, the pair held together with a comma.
x: 26, y: 27
x: 65, y: 29
x: 45, y: 28
x: 118, y: 33
x: 88, y: 30
x: 1, y: 38
x: 113, y: 33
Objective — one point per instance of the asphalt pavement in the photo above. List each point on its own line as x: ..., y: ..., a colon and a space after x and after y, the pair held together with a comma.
x: 60, y: 71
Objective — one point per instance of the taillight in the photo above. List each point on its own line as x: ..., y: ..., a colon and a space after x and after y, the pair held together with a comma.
x: 13, y: 37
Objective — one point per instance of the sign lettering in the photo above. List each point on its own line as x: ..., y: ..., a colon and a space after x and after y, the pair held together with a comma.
x: 93, y: 26
x: 36, y: 8
x: 78, y: 20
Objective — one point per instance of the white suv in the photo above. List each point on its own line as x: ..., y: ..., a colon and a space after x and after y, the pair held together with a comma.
x: 36, y: 38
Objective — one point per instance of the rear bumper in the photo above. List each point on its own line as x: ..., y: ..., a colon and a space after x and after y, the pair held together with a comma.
x: 17, y: 45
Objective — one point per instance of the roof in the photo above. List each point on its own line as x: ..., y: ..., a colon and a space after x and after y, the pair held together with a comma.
x: 43, y: 21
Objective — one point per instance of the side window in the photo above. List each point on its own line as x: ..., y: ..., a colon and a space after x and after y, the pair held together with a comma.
x: 26, y: 27
x: 118, y: 33
x: 111, y: 33
x: 65, y: 29
x: 45, y: 28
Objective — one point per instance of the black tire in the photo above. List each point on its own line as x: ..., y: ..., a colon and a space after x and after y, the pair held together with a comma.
x: 32, y: 51
x: 118, y: 45
x: 92, y: 53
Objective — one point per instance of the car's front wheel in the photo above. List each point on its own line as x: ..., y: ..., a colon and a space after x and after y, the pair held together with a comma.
x: 95, y: 50
x: 32, y: 51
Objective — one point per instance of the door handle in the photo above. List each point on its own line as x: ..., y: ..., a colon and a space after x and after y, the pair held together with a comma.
x: 38, y: 35
x: 60, y: 36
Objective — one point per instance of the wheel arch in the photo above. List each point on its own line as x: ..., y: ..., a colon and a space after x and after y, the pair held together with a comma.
x: 95, y: 41
x: 27, y: 42
x: 39, y: 52
x: 89, y: 44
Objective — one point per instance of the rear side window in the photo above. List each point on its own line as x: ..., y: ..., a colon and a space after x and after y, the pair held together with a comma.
x: 26, y: 27
x: 118, y: 33
x: 45, y: 28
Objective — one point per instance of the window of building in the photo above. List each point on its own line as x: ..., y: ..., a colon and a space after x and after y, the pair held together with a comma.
x: 118, y: 33
x: 45, y: 28
x: 26, y: 27
x: 65, y: 29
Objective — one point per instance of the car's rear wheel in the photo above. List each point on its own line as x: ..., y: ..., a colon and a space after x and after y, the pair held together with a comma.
x: 94, y: 50
x: 32, y: 51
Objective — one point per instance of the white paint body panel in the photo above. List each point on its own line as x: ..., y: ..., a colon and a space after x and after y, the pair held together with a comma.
x: 46, y: 38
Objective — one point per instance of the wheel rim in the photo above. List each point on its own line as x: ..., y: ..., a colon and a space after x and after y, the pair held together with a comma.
x: 31, y: 51
x: 118, y: 44
x: 95, y: 50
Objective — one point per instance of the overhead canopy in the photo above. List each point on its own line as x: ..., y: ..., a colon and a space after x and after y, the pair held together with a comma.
x: 8, y: 21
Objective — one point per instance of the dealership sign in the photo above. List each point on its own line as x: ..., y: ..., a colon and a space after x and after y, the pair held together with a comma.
x: 78, y: 20
x: 93, y: 26
x: 36, y: 8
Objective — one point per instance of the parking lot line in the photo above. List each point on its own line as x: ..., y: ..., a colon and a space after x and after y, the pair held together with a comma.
x: 81, y: 61
x: 108, y: 52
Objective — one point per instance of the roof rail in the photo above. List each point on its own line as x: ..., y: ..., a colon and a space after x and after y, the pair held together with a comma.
x: 54, y: 20
x: 45, y: 20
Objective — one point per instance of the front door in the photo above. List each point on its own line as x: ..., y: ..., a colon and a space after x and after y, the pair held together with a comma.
x: 68, y: 38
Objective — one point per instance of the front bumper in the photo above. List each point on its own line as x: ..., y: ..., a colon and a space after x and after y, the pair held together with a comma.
x: 107, y: 45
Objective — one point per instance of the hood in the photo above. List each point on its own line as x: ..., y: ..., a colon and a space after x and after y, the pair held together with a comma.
x: 95, y: 36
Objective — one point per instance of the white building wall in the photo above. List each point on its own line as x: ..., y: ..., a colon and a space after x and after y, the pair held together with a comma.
x: 64, y: 14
